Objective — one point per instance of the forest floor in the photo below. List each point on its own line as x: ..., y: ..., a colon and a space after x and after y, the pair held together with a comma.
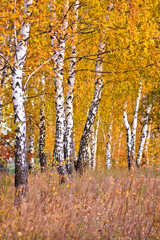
x: 111, y: 204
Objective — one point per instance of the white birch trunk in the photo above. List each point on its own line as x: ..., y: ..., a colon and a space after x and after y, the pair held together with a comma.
x: 143, y: 136
x: 128, y: 131
x: 94, y: 145
x: 91, y: 146
x: 108, y: 148
x: 134, y: 127
x: 69, y: 99
x: 21, y: 164
x: 31, y: 148
x: 147, y: 143
x: 82, y: 154
x: 42, y: 156
x: 58, y: 153
x: 89, y: 152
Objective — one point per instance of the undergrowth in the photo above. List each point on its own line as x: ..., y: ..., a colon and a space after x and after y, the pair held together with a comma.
x: 112, y: 204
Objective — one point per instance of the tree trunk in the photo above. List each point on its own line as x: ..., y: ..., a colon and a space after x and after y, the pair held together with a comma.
x: 31, y: 148
x: 42, y: 156
x: 82, y: 154
x: 108, y: 148
x: 128, y: 131
x: 131, y: 137
x: 94, y: 145
x: 146, y: 145
x: 69, y: 99
x: 143, y: 136
x: 134, y: 127
x: 58, y: 153
x: 2, y: 84
x: 21, y: 164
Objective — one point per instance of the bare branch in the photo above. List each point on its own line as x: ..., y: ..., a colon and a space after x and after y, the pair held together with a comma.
x: 6, y: 60
x: 112, y: 50
x: 36, y: 71
x: 126, y: 71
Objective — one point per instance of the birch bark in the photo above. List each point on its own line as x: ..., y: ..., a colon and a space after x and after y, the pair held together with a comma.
x: 31, y: 148
x: 94, y: 145
x: 108, y: 148
x: 131, y: 136
x: 58, y: 153
x: 69, y: 99
x: 42, y: 156
x: 134, y: 127
x: 82, y: 154
x: 21, y: 164
x: 128, y: 131
x: 143, y: 136
x: 147, y: 143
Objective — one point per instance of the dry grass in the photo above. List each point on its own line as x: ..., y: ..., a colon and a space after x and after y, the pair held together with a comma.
x: 98, y: 205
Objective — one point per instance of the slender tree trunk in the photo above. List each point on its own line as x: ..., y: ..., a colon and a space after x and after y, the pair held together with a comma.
x: 128, y: 131
x: 89, y: 152
x: 58, y: 153
x: 147, y: 143
x: 108, y: 148
x: 143, y: 136
x: 94, y: 145
x: 2, y: 84
x: 91, y: 146
x: 42, y: 156
x: 69, y: 99
x: 31, y: 148
x: 134, y: 127
x: 82, y: 154
x: 21, y: 164
x: 131, y: 137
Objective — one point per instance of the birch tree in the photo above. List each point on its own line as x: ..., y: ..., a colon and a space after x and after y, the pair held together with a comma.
x: 82, y: 154
x: 128, y: 131
x: 69, y: 99
x: 94, y: 145
x: 31, y: 147
x: 58, y: 153
x: 134, y: 126
x: 108, y: 148
x: 131, y: 136
x: 147, y: 144
x: 42, y: 156
x: 21, y: 164
x: 143, y: 136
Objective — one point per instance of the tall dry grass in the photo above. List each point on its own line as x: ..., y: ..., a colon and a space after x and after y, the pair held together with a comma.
x: 98, y: 205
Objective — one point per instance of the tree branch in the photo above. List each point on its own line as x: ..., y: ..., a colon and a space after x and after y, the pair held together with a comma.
x: 36, y: 71
x: 126, y: 71
x: 6, y: 60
